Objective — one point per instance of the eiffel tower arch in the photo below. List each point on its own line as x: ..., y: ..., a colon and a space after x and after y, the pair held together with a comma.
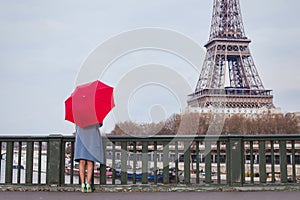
x: 229, y: 81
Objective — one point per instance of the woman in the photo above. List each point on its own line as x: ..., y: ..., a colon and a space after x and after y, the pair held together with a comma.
x: 88, y: 150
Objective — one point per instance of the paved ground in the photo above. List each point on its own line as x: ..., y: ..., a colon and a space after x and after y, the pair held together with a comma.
x: 150, y: 196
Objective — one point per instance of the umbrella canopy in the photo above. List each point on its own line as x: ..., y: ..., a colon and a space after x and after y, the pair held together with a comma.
x: 89, y: 104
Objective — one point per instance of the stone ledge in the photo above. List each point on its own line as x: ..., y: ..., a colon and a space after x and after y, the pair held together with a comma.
x: 151, y: 188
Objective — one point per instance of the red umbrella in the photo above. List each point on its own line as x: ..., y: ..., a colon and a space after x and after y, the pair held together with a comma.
x: 89, y: 104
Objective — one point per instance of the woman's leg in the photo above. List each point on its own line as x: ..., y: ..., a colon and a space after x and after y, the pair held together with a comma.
x: 90, y: 170
x: 82, y: 164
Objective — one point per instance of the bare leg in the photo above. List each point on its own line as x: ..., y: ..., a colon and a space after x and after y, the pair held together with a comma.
x: 90, y: 170
x: 82, y: 164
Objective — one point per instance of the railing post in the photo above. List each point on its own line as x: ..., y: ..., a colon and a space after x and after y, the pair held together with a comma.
x: 29, y: 162
x: 218, y: 163
x: 294, y: 162
x: 103, y: 167
x: 144, y: 162
x: 187, y: 154
x: 208, y: 144
x: 197, y: 162
x: 54, y: 158
x: 134, y: 162
x: 113, y: 165
x: 236, y: 160
x: 283, y: 162
x: 9, y: 162
x: 155, y: 162
x: 176, y: 162
x: 166, y: 163
x: 262, y: 161
x: 228, y: 163
x: 124, y: 162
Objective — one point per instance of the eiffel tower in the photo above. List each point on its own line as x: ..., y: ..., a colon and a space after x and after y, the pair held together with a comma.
x: 228, y: 61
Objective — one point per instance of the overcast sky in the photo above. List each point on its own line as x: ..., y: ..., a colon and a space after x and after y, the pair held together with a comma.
x: 43, y: 45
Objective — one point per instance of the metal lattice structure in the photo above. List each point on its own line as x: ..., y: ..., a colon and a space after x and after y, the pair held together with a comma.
x: 228, y: 59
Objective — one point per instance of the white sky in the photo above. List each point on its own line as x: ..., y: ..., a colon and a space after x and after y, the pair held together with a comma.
x: 44, y: 43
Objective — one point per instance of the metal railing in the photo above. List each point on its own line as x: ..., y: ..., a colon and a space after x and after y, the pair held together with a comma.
x: 201, y: 160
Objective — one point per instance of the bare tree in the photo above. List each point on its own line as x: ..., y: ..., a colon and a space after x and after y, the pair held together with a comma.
x: 196, y: 123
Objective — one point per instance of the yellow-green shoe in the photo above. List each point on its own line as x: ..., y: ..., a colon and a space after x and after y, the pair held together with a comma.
x: 88, y: 188
x: 83, y: 188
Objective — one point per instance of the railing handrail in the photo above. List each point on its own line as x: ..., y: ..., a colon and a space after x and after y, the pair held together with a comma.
x: 204, y: 136
x: 157, y: 137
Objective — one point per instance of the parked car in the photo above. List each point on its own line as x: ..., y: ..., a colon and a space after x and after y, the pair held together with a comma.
x: 181, y: 174
x: 151, y: 174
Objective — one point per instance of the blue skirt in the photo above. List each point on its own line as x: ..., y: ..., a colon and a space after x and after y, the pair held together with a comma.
x: 88, y: 144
